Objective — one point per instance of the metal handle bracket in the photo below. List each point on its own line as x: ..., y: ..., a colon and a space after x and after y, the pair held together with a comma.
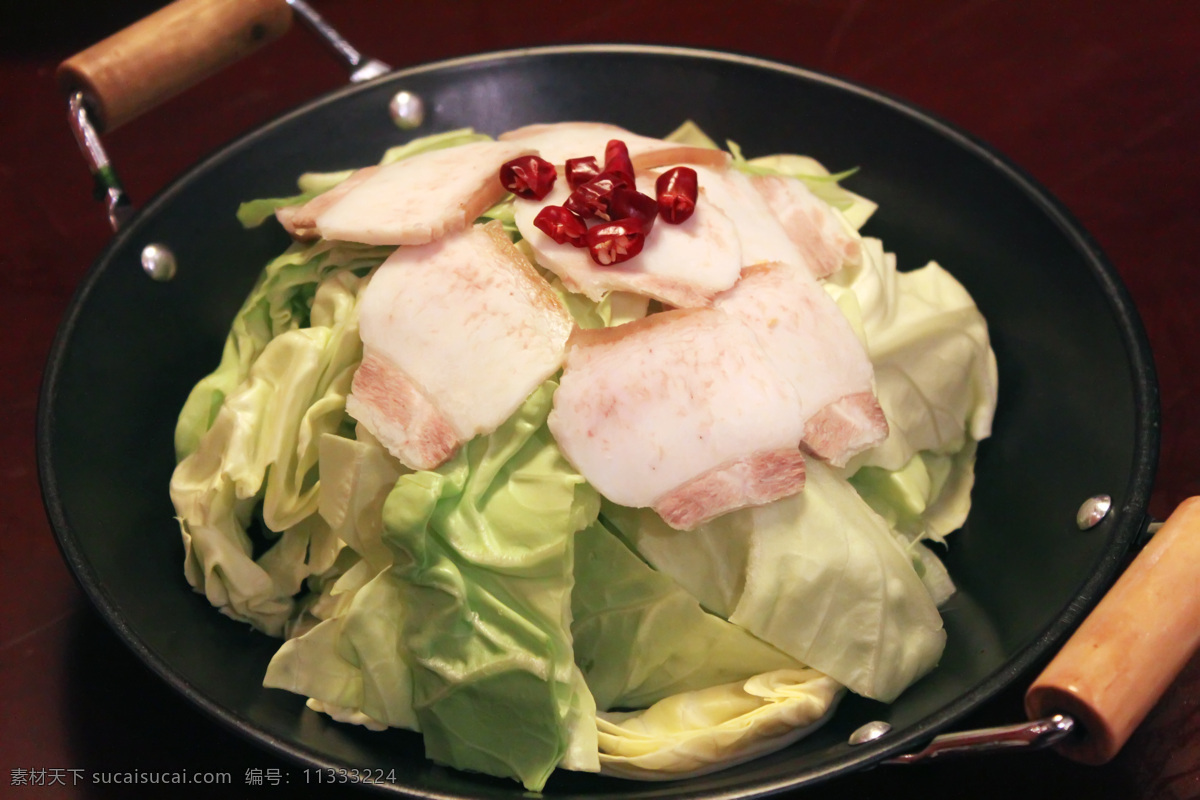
x: 86, y: 123
x: 1034, y: 735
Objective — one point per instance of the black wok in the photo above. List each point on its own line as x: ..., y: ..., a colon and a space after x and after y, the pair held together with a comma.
x: 1077, y: 415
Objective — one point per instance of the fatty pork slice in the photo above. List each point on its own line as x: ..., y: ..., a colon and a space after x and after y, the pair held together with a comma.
x: 810, y: 223
x: 762, y: 236
x: 301, y: 221
x: 556, y: 142
x: 421, y: 198
x: 456, y: 334
x: 681, y: 411
x: 811, y: 344
x: 684, y: 265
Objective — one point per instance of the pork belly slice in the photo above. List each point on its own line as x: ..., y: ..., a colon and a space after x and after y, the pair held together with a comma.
x: 456, y: 334
x: 761, y: 234
x: 844, y: 427
x: 301, y: 221
x: 556, y: 142
x: 393, y: 408
x: 684, y: 266
x: 810, y: 223
x: 681, y: 411
x: 422, y: 198
x: 811, y: 344
x: 751, y: 481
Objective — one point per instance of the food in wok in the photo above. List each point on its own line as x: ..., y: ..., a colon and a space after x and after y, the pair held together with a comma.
x: 578, y: 448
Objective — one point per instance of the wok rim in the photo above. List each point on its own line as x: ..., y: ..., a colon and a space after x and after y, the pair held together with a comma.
x: 1127, y: 522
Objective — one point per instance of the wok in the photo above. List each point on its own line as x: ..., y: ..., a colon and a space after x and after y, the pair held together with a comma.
x: 1077, y: 414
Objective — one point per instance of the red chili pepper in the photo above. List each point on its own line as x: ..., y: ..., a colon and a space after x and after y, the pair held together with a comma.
x: 592, y: 199
x: 562, y: 225
x: 616, y: 241
x: 676, y: 190
x: 616, y: 159
x: 581, y: 170
x: 531, y: 177
x: 626, y: 202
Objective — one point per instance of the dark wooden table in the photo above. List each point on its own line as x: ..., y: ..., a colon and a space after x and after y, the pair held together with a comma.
x: 1098, y: 99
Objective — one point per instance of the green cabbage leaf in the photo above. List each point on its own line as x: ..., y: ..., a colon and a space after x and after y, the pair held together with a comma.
x: 281, y: 301
x: 484, y: 548
x: 640, y: 638
x: 818, y: 575
x: 701, y: 731
x: 246, y: 491
x: 936, y: 379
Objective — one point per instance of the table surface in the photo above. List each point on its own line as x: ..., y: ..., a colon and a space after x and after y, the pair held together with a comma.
x: 1098, y: 100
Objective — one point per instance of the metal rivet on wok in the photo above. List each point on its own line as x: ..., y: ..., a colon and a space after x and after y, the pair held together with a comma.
x: 159, y: 262
x: 870, y: 732
x: 1093, y: 510
x: 407, y: 110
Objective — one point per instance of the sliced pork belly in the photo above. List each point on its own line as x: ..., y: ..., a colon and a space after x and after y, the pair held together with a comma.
x: 681, y: 411
x: 301, y: 221
x: 810, y: 223
x: 387, y: 401
x: 556, y: 142
x: 811, y: 344
x: 681, y: 265
x: 456, y: 334
x: 422, y: 198
x: 754, y: 480
x: 848, y: 425
x: 762, y: 236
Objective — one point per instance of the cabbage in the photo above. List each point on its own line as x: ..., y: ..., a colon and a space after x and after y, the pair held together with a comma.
x: 640, y: 638
x: 356, y: 477
x: 935, y: 372
x: 936, y: 379
x: 818, y: 575
x: 697, y: 732
x: 352, y: 665
x: 281, y: 301
x: 485, y: 548
x: 261, y: 452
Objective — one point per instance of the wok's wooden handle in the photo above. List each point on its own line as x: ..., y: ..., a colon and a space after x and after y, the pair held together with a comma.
x: 157, y: 57
x: 1131, y: 647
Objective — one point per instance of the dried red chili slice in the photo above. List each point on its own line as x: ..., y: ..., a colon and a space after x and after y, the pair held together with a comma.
x: 676, y: 189
x: 531, y: 177
x: 562, y: 225
x: 627, y: 202
x: 616, y: 159
x: 613, y: 242
x: 581, y: 170
x: 592, y: 199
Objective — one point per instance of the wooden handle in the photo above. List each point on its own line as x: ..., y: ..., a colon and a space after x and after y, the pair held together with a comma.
x: 1131, y: 647
x: 157, y: 57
